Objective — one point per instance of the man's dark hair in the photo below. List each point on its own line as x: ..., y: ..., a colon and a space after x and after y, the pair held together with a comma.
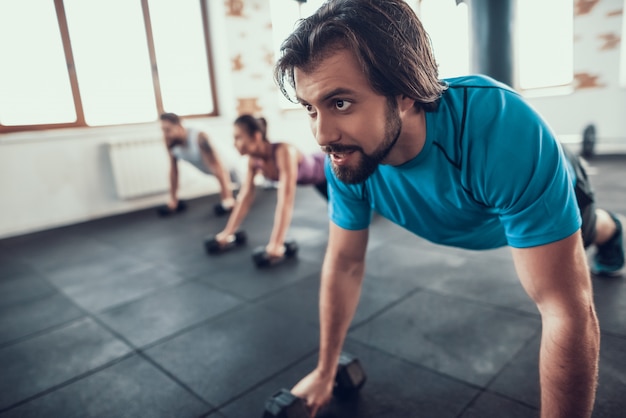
x: 171, y: 117
x: 386, y: 37
x: 251, y: 125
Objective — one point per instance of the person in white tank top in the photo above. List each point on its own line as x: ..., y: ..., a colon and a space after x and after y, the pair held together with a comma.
x: 194, y: 146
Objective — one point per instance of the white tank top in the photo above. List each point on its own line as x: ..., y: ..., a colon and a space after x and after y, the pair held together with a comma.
x: 191, y: 152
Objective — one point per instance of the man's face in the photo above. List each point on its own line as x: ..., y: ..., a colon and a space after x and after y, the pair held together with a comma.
x: 354, y: 124
x: 174, y: 134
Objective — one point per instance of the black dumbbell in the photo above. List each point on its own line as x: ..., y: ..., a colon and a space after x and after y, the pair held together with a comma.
x: 164, y: 210
x: 262, y: 259
x: 350, y: 376
x: 212, y: 246
x: 220, y: 209
x: 285, y: 404
x: 349, y: 380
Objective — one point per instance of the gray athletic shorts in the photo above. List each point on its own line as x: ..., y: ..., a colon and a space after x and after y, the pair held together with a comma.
x: 585, y: 199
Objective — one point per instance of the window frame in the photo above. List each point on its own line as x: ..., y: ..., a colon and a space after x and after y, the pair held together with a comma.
x: 78, y: 104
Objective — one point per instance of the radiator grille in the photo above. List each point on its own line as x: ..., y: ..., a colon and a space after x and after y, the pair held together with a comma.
x: 139, y: 167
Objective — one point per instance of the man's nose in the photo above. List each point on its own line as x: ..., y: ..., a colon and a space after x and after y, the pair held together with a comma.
x: 325, y: 130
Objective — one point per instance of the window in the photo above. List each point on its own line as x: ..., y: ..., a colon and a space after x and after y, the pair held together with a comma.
x: 181, y: 50
x: 102, y: 62
x: 545, y: 34
x: 448, y: 27
x: 34, y: 82
x: 285, y: 15
x: 112, y: 64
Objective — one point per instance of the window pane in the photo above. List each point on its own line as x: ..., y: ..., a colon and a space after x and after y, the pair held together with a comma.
x: 181, y: 56
x: 285, y: 14
x: 545, y: 43
x: 34, y: 82
x: 112, y: 63
x: 448, y: 27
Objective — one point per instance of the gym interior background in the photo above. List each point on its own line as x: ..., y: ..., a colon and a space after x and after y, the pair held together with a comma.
x: 106, y: 310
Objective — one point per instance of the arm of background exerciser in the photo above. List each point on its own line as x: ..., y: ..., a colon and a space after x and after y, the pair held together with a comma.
x: 213, y: 160
x: 556, y: 277
x: 287, y: 164
x: 243, y: 202
x: 173, y: 180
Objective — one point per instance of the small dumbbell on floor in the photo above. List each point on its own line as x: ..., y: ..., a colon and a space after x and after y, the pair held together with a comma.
x: 164, y: 210
x: 262, y: 259
x: 212, y: 245
x: 349, y: 380
x: 219, y: 209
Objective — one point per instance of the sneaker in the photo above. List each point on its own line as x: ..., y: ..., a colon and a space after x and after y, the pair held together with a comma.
x: 609, y: 258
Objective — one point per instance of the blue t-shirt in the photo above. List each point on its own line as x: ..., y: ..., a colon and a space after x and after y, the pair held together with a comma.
x: 491, y: 173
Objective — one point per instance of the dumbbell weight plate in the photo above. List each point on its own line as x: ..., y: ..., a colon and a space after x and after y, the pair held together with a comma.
x: 291, y: 248
x: 284, y: 404
x: 220, y: 210
x: 213, y: 247
x: 164, y: 210
x: 350, y: 376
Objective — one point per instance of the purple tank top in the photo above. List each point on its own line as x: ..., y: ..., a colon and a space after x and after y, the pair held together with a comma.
x: 310, y: 169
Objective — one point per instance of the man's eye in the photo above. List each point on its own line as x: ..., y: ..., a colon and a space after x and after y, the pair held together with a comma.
x: 342, y: 104
x: 309, y: 109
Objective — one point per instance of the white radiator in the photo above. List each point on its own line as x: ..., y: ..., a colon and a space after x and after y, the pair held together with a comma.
x: 140, y: 167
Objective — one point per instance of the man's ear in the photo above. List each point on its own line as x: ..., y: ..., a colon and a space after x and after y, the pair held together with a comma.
x: 405, y: 103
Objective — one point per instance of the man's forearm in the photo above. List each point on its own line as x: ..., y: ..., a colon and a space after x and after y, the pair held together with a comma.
x: 339, y: 296
x: 174, y: 185
x: 569, y: 365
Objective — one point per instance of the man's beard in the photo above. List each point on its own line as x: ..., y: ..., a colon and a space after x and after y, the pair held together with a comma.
x: 369, y: 163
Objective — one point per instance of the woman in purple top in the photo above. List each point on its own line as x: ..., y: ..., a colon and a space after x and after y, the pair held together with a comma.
x: 281, y: 162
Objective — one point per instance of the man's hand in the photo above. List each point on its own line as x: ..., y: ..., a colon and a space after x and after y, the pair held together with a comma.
x: 316, y: 390
x: 172, y: 204
x: 275, y: 251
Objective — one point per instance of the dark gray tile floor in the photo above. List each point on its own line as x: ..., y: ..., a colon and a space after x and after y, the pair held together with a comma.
x: 128, y: 317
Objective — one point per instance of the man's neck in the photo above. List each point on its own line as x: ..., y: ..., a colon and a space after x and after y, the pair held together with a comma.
x: 411, y: 140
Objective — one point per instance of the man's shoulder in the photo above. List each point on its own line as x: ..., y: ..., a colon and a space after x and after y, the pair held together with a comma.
x: 475, y: 81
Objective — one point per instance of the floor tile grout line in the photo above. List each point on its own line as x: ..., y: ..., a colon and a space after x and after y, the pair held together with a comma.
x: 134, y: 351
x: 513, y: 311
x: 480, y: 389
x: 265, y: 380
x: 68, y: 382
x: 85, y: 312
x: 499, y: 373
x: 193, y: 326
x: 412, y: 363
x: 380, y: 312
x: 140, y: 353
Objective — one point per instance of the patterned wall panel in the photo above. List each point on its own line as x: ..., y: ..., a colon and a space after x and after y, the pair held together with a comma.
x: 250, y: 45
x: 597, y: 40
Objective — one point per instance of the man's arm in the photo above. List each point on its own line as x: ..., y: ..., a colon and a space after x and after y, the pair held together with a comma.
x: 556, y: 277
x: 173, y: 182
x: 340, y: 289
